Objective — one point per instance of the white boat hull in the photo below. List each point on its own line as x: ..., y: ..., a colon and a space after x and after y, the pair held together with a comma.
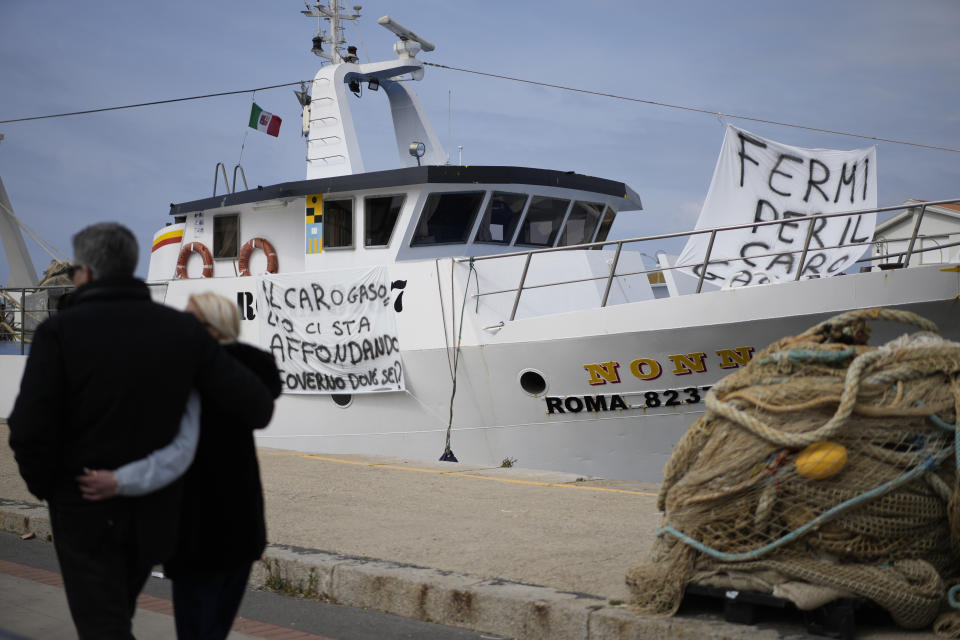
x: 494, y: 418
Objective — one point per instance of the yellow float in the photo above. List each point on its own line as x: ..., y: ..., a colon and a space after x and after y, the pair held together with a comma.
x: 821, y: 460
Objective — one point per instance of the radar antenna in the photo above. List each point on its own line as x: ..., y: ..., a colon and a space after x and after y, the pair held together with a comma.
x: 403, y: 33
x: 332, y: 15
x: 410, y: 43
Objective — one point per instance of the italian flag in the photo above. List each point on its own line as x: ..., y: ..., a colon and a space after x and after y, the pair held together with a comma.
x: 264, y: 121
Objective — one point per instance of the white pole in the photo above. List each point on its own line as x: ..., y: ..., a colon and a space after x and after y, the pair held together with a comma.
x: 335, y: 30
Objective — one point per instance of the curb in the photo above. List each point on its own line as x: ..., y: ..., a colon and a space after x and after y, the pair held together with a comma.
x: 500, y: 607
x: 25, y: 517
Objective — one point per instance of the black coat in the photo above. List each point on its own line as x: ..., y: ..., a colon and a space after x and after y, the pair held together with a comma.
x: 106, y: 383
x: 222, y: 522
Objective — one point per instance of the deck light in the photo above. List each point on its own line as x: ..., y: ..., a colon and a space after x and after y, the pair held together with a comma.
x: 417, y: 149
x: 373, y: 85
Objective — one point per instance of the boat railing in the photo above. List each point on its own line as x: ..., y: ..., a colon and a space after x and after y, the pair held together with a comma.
x: 243, y: 174
x: 221, y: 170
x: 703, y: 265
x: 23, y: 309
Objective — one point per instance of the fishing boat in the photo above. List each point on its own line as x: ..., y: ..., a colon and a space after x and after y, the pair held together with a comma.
x: 483, y: 313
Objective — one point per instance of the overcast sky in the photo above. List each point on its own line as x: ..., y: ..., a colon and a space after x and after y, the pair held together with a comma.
x: 884, y: 68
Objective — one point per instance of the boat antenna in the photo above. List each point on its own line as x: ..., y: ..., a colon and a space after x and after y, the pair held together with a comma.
x: 333, y: 15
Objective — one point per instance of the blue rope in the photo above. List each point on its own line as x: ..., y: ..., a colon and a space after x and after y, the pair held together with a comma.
x: 956, y: 446
x: 955, y: 589
x: 940, y: 422
x: 767, y: 381
x: 920, y: 469
x: 952, y: 596
x: 802, y: 356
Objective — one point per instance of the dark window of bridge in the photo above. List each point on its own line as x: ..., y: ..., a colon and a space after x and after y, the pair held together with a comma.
x: 501, y: 217
x: 380, y: 214
x: 581, y: 223
x: 542, y: 222
x: 447, y: 218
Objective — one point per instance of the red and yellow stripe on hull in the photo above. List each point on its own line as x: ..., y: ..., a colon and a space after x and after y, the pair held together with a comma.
x: 168, y: 235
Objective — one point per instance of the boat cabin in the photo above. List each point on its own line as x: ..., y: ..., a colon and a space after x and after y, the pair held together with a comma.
x: 413, y: 213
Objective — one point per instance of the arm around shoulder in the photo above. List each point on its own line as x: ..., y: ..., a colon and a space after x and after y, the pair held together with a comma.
x: 261, y: 363
x: 163, y: 466
x: 234, y: 389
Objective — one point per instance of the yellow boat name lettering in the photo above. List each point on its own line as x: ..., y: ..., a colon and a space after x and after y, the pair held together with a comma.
x: 646, y: 369
x: 734, y: 358
x: 603, y: 372
x: 684, y: 364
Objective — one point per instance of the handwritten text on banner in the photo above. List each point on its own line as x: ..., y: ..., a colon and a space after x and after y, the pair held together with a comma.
x: 759, y: 180
x: 331, y: 332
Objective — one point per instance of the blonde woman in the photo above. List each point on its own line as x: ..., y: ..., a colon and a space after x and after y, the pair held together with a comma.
x: 223, y: 531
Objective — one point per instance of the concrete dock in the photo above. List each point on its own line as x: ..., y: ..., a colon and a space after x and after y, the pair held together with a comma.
x: 508, y: 551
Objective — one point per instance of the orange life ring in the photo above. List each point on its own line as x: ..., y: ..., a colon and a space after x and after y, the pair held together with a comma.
x: 247, y: 249
x: 185, y: 252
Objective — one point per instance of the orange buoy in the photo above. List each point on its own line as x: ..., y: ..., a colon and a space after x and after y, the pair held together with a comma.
x: 821, y: 460
x: 184, y: 256
x: 247, y: 249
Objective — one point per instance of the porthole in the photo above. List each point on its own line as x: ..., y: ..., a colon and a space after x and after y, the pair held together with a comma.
x: 533, y: 382
x: 342, y: 400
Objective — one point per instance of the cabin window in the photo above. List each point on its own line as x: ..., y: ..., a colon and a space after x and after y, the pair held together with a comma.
x: 501, y: 217
x: 605, y: 225
x: 542, y: 222
x: 337, y: 223
x: 581, y: 223
x: 447, y: 218
x: 226, y: 235
x: 380, y: 216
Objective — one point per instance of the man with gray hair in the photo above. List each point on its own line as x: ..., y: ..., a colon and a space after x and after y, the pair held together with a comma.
x: 106, y: 383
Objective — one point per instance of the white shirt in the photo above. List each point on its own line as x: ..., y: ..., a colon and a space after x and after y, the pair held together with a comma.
x: 163, y: 466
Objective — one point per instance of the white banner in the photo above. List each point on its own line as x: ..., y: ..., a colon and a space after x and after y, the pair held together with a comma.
x: 759, y: 180
x: 331, y: 332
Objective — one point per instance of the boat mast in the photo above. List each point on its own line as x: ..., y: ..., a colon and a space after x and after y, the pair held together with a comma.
x: 332, y: 15
x: 22, y: 271
x: 332, y: 145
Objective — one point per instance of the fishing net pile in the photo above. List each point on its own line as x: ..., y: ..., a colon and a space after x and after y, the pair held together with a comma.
x: 823, y: 469
x: 56, y: 274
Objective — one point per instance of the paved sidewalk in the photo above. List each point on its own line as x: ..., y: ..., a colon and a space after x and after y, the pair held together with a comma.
x: 512, y: 552
x: 33, y: 605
